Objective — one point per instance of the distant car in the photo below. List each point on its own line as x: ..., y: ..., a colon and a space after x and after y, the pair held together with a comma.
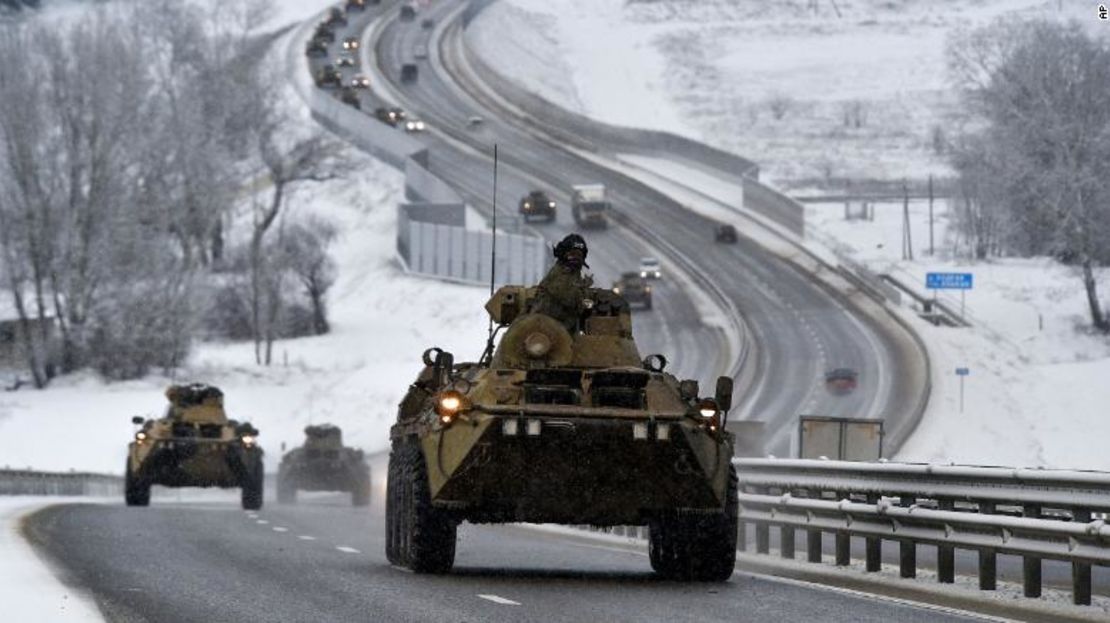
x: 634, y: 289
x: 427, y: 23
x: 350, y: 43
x: 346, y: 59
x: 650, y: 269
x: 420, y: 51
x: 316, y: 47
x: 537, y: 204
x: 336, y: 17
x: 389, y: 116
x: 841, y: 381
x: 408, y: 12
x: 414, y: 125
x: 474, y: 121
x: 329, y: 76
x: 349, y: 96
x: 356, y: 5
x: 360, y: 82
x: 725, y: 233
x: 409, y: 72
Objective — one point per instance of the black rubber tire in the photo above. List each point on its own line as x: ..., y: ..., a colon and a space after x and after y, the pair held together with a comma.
x: 136, y: 491
x: 252, y: 486
x: 286, y: 491
x: 393, y: 543
x: 647, y: 304
x: 425, y: 535
x: 360, y: 495
x: 696, y: 547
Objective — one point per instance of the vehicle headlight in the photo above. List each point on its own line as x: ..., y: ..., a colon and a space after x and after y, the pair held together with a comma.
x: 248, y: 440
x: 527, y: 205
x: 647, y: 288
x: 450, y: 404
x: 140, y: 436
x: 707, y: 408
x: 551, y: 204
x: 616, y: 290
x: 643, y: 273
x: 419, y: 125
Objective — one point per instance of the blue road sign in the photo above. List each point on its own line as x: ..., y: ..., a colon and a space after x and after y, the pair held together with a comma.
x: 963, y: 371
x: 948, y: 281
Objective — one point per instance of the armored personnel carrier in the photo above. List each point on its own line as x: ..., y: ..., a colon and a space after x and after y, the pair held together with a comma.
x: 556, y: 426
x: 324, y: 464
x: 193, y: 445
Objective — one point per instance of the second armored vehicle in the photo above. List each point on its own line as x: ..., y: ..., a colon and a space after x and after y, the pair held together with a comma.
x: 329, y: 76
x: 194, y: 445
x: 323, y: 463
x: 537, y: 204
x: 559, y: 426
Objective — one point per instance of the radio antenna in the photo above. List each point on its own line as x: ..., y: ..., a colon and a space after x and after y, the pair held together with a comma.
x: 493, y: 261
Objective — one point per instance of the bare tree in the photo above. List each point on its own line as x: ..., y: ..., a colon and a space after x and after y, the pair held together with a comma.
x: 1040, y: 93
x: 305, y: 247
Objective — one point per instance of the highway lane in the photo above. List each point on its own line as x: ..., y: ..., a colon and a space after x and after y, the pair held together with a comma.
x: 802, y: 330
x: 322, y: 560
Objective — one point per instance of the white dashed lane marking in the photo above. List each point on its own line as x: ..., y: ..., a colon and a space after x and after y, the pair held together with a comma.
x: 280, y: 529
x: 349, y: 550
x: 305, y: 537
x: 262, y: 522
x: 500, y: 600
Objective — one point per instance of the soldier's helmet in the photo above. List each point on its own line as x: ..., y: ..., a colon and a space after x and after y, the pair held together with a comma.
x: 572, y: 251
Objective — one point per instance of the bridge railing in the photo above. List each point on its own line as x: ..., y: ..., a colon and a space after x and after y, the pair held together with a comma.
x: 1033, y: 513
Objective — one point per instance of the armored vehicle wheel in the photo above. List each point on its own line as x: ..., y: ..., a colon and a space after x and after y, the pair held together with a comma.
x: 286, y: 491
x: 696, y: 547
x: 647, y: 305
x: 136, y: 492
x: 422, y: 537
x: 360, y: 495
x: 252, y: 487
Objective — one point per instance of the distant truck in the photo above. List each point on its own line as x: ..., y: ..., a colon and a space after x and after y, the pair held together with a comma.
x: 589, y: 206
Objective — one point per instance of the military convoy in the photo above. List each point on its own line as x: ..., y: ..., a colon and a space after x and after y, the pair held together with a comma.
x: 323, y: 463
x: 193, y: 445
x: 558, y: 426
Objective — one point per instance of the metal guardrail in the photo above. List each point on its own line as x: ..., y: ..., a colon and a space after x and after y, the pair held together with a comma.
x: 1037, y: 514
x: 31, y: 482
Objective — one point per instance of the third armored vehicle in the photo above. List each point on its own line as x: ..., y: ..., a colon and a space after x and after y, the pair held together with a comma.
x: 323, y: 463
x: 329, y: 76
x: 194, y: 445
x: 589, y: 206
x: 537, y: 204
x: 634, y: 289
x: 559, y: 426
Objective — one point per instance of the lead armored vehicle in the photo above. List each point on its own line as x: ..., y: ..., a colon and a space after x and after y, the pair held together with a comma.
x: 555, y: 426
x: 323, y: 463
x: 194, y: 445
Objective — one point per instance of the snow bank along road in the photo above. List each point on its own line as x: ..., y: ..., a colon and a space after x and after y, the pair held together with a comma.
x: 800, y: 328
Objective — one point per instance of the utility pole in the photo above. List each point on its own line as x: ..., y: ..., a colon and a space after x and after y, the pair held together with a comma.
x: 907, y: 239
x: 930, y: 215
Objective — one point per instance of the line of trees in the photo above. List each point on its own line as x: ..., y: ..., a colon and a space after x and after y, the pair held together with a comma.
x: 127, y: 142
x: 1034, y: 157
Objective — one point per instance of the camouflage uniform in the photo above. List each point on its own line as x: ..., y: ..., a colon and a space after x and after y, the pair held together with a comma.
x: 560, y: 295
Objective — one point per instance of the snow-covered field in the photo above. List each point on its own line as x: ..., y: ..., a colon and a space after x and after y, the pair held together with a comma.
x: 783, y: 82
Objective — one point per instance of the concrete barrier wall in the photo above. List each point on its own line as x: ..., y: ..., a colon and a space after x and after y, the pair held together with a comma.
x: 29, y: 482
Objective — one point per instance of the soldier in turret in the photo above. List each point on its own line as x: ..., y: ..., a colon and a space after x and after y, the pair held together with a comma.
x: 563, y: 292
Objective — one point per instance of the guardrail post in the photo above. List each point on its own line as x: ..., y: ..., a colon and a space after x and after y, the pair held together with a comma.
x: 742, y: 535
x: 1081, y: 571
x: 946, y: 554
x: 843, y: 548
x: 762, y: 531
x: 813, y: 545
x: 1031, y: 565
x: 988, y: 558
x: 786, y: 542
x: 907, y: 550
x: 873, y: 545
